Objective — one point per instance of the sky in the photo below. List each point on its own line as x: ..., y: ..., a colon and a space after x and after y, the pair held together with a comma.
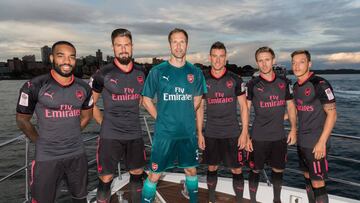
x: 328, y: 29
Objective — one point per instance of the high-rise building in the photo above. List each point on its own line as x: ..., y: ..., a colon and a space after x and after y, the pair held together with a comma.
x: 99, y: 57
x: 45, y: 54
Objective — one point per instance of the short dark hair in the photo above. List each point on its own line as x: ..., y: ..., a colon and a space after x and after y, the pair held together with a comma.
x: 264, y: 50
x: 218, y: 45
x: 302, y: 51
x: 61, y: 43
x: 120, y: 32
x: 177, y: 30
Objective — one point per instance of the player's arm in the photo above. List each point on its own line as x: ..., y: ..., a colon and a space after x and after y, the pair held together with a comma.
x: 199, y: 124
x: 149, y: 106
x: 85, y: 117
x: 291, y: 112
x: 249, y: 146
x: 24, y: 124
x: 197, y: 101
x: 320, y: 147
x: 244, y: 113
x: 97, y: 114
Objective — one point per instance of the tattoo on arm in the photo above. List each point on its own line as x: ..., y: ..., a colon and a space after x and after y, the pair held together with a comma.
x: 330, y: 107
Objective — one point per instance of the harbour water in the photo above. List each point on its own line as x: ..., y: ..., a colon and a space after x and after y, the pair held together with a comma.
x: 347, y: 92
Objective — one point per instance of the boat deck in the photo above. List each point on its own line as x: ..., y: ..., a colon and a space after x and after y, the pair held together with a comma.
x: 171, y: 192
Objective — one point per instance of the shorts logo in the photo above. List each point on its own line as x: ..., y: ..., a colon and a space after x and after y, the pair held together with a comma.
x: 190, y: 78
x: 307, y: 92
x: 140, y: 80
x: 281, y: 86
x: 154, y: 166
x: 79, y: 94
x: 251, y: 164
x: 229, y: 84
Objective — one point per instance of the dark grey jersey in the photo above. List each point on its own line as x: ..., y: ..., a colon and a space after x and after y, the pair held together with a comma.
x: 269, y: 101
x: 121, y: 95
x: 221, y: 99
x: 310, y: 96
x: 57, y: 109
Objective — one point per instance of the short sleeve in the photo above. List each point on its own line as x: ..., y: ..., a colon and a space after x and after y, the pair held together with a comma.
x: 27, y: 98
x: 97, y: 81
x: 325, y: 92
x: 240, y: 87
x: 200, y: 87
x: 89, y: 101
x: 249, y: 90
x: 289, y: 90
x: 151, y: 84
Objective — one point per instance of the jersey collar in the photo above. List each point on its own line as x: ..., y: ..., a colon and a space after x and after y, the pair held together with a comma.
x: 118, y: 65
x: 52, y: 73
x: 306, y: 79
x: 273, y: 77
x: 218, y: 77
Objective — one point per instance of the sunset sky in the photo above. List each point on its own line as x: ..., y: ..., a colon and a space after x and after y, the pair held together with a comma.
x: 328, y: 29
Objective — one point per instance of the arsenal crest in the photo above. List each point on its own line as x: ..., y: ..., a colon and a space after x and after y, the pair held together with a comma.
x: 79, y: 94
x: 140, y: 80
x: 307, y: 92
x: 229, y: 84
x: 190, y: 78
x: 154, y: 166
x: 281, y: 85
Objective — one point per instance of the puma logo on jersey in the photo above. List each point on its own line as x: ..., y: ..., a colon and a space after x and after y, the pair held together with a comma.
x: 115, y: 81
x: 166, y: 78
x: 147, y: 200
x: 49, y: 94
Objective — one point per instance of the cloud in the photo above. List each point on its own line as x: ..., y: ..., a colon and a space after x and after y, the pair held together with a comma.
x: 348, y: 58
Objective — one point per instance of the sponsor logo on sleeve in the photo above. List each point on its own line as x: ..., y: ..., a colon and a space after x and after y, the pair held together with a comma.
x: 329, y: 94
x: 24, y: 99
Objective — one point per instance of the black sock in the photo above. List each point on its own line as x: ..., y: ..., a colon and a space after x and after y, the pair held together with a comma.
x: 238, y: 186
x: 103, y: 193
x: 321, y: 195
x: 253, y: 185
x: 277, y: 179
x: 211, y: 180
x: 136, y: 185
x: 84, y: 200
x: 309, y: 190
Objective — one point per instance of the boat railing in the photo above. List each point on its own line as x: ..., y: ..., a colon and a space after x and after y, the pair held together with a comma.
x: 26, y: 165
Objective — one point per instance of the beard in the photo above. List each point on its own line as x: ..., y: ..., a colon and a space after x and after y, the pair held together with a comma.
x: 57, y: 68
x: 125, y: 60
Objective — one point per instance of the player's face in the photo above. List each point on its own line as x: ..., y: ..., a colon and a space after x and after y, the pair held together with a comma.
x: 63, y: 59
x: 178, y: 45
x: 300, y: 65
x: 122, y: 47
x: 217, y: 59
x: 265, y: 61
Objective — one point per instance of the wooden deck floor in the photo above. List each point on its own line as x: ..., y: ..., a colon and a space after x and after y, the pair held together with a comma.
x: 171, y: 192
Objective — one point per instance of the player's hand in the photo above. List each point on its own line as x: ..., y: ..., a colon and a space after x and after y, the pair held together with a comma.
x: 319, y: 150
x: 249, y: 146
x: 292, y: 137
x: 201, y: 142
x: 242, y: 141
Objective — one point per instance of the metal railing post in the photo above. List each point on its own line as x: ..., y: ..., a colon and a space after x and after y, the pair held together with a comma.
x: 119, y: 171
x: 147, y: 129
x: 27, y: 170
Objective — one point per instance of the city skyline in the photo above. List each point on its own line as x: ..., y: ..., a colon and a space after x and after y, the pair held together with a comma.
x: 329, y: 29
